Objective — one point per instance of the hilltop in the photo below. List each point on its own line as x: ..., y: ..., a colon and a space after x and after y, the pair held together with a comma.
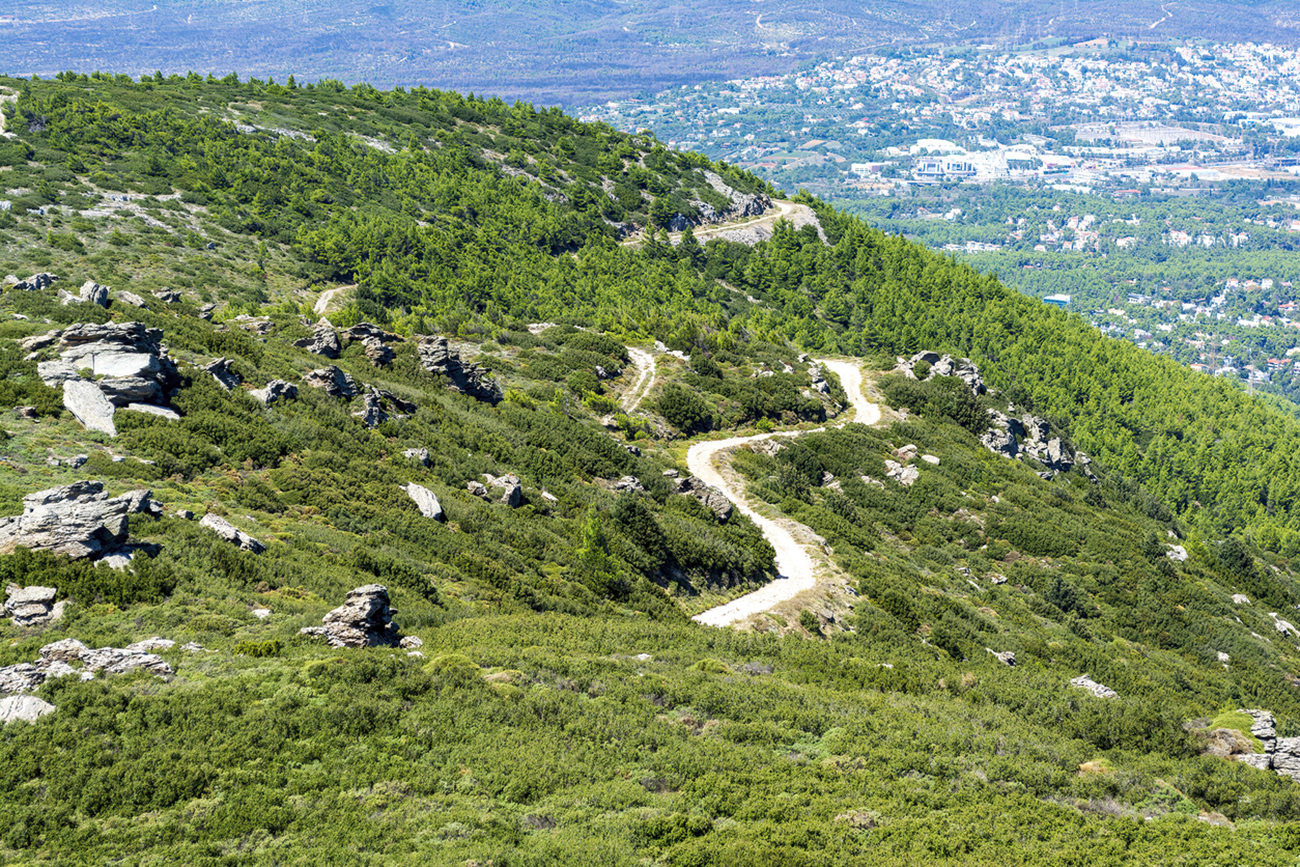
x: 433, y: 374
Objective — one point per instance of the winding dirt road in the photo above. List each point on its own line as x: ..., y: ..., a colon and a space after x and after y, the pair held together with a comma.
x: 645, y: 378
x: 797, y: 570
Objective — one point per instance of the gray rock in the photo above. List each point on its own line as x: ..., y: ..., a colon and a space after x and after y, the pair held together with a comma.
x: 152, y: 409
x: 372, y: 411
x: 77, y: 520
x: 151, y: 645
x: 364, y: 620
x: 93, y: 293
x: 125, y: 390
x: 129, y: 298
x: 231, y: 533
x: 70, y: 656
x: 55, y: 373
x: 629, y: 483
x: 276, y: 389
x: 437, y: 357
x: 477, y: 489
x: 377, y: 352
x: 1006, y: 657
x: 40, y: 341
x: 1177, y: 553
x: 22, y: 677
x: 221, y: 372
x: 323, y: 341
x: 410, y: 642
x: 367, y: 330
x: 334, y: 381
x: 206, y: 311
x: 420, y: 456
x: 1085, y: 682
x: 1286, y: 758
x: 425, y: 500
x: 89, y: 406
x: 1240, y: 599
x: 168, y: 296
x: 32, y: 606
x: 710, y: 497
x: 23, y: 708
x: 36, y: 282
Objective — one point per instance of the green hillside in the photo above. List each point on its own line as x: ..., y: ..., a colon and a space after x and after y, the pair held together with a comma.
x: 563, y: 707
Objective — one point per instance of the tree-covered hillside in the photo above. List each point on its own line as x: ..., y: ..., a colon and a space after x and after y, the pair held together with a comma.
x: 562, y: 707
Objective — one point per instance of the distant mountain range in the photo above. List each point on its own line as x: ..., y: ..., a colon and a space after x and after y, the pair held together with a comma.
x: 569, y: 52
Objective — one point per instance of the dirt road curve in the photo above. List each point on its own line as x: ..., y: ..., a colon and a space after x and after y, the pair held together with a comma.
x: 796, y: 568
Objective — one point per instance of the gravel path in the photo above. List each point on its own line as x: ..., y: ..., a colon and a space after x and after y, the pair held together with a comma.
x: 645, y: 378
x: 796, y: 570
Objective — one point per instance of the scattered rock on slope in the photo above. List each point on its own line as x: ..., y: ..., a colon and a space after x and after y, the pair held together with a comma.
x: 323, y: 341
x: 334, y: 381
x: 364, y: 620
x: 231, y: 533
x: 1085, y: 682
x: 276, y: 389
x: 71, y: 656
x: 712, y: 499
x: 425, y: 500
x: 77, y: 520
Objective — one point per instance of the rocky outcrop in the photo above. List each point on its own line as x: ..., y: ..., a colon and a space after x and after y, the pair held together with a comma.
x: 128, y: 364
x: 372, y: 411
x: 323, y: 341
x: 168, y: 296
x: 710, y: 497
x: 512, y: 492
x: 221, y: 372
x: 945, y: 365
x: 1085, y: 682
x: 70, y: 656
x: 629, y: 484
x: 77, y: 520
x: 425, y: 500
x: 437, y: 357
x: 1027, y: 436
x: 1006, y: 657
x: 334, y: 381
x: 367, y: 330
x: 231, y: 533
x: 128, y: 298
x: 32, y: 606
x: 276, y: 389
x: 1278, y: 754
x: 364, y: 620
x: 23, y: 708
x: 91, y: 293
x: 377, y: 352
x: 904, y: 475
x: 742, y: 204
x: 36, y: 282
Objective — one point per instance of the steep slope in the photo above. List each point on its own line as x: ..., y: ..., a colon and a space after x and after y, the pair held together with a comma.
x: 522, y: 497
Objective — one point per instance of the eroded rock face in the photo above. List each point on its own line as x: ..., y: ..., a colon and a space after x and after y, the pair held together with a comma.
x: 89, y: 405
x: 742, y: 204
x: 276, y: 389
x: 364, y: 620
x: 425, y: 500
x: 231, y: 533
x: 372, y: 412
x: 437, y: 356
x: 77, y: 520
x: 377, y: 352
x: 420, y: 456
x: 36, y: 282
x: 1029, y: 436
x: 334, y: 381
x: 512, y: 491
x: 712, y: 499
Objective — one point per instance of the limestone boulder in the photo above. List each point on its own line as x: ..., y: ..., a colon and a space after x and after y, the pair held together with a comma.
x: 1085, y: 682
x: 23, y: 708
x: 231, y: 533
x: 365, y: 619
x: 32, y: 606
x: 276, y: 389
x: 425, y: 500
x: 710, y: 497
x: 77, y: 520
x: 88, y: 404
x: 333, y: 380
x: 221, y: 372
x: 323, y: 341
